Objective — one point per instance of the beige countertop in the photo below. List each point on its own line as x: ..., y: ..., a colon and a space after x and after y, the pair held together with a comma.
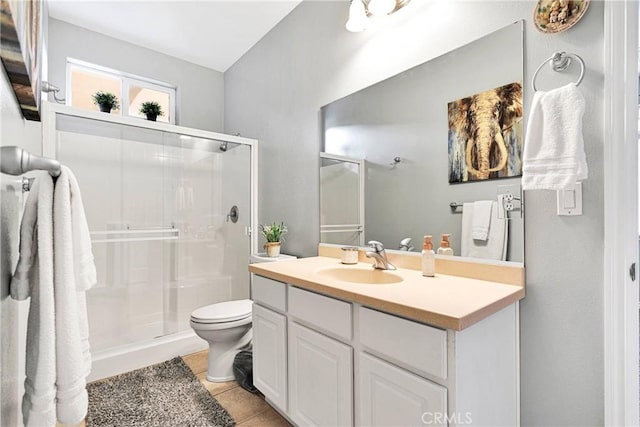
x: 445, y: 301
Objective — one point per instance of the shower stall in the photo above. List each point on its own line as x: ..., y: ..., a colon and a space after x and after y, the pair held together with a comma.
x: 170, y: 211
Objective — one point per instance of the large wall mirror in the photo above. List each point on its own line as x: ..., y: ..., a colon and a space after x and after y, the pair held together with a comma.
x: 432, y: 150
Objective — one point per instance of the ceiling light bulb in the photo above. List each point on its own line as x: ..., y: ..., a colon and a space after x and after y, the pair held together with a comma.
x: 381, y: 7
x: 358, y: 20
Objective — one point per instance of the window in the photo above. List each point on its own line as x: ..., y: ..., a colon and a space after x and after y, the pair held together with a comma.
x: 84, y: 79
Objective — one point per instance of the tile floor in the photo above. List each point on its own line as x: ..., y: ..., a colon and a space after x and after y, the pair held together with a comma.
x: 247, y: 409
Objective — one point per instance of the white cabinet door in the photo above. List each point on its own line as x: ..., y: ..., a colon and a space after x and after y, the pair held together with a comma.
x: 391, y: 396
x: 320, y: 379
x: 270, y: 355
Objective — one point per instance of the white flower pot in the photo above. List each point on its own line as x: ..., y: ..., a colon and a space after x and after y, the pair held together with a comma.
x: 273, y: 249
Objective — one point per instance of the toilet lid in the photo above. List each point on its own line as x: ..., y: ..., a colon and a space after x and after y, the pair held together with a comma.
x: 223, y: 312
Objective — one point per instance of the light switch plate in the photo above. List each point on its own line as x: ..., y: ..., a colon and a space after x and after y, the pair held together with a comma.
x: 570, y: 201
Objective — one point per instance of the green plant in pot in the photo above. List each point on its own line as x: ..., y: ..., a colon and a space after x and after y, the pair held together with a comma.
x: 273, y: 234
x: 152, y: 110
x: 106, y: 101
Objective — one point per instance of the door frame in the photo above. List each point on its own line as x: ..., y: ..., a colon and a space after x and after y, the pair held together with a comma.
x: 621, y: 383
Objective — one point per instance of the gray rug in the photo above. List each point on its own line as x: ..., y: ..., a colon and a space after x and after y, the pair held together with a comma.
x: 163, y: 395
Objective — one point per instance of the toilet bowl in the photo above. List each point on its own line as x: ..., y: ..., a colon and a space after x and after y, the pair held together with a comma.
x: 226, y: 326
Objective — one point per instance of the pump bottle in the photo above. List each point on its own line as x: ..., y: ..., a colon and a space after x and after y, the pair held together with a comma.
x: 445, y: 245
x: 428, y: 258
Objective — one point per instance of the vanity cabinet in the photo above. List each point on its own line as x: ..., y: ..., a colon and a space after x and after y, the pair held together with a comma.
x: 270, y: 355
x: 270, y: 340
x: 323, y: 361
x: 391, y: 396
x: 320, y: 379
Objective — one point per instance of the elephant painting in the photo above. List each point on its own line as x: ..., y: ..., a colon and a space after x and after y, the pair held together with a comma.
x: 485, y: 135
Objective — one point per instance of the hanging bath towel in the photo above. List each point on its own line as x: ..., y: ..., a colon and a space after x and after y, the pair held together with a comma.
x: 74, y: 273
x: 33, y: 279
x: 554, y: 157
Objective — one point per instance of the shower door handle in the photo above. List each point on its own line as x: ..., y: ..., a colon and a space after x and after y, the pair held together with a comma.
x: 116, y: 236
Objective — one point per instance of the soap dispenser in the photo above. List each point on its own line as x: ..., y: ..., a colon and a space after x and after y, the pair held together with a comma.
x: 445, y: 246
x: 428, y: 258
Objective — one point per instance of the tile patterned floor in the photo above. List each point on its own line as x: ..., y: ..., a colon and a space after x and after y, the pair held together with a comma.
x: 247, y: 409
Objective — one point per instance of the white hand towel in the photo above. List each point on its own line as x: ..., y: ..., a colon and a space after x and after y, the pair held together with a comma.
x: 34, y: 278
x: 554, y: 157
x: 495, y: 247
x: 74, y: 273
x: 481, y: 219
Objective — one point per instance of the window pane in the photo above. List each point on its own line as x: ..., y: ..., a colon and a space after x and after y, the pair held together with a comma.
x: 85, y: 83
x: 138, y: 95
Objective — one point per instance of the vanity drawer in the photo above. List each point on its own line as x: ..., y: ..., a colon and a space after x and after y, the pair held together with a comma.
x: 269, y: 292
x: 321, y: 312
x: 415, y: 346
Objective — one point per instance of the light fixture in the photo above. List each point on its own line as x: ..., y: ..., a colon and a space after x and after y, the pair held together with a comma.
x: 358, y: 20
x: 360, y: 10
x: 381, y: 7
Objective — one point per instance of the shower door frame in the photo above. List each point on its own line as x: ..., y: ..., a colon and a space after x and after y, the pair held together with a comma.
x: 51, y: 110
x: 127, y: 357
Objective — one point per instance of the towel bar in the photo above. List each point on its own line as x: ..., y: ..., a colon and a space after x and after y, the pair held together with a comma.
x: 16, y: 161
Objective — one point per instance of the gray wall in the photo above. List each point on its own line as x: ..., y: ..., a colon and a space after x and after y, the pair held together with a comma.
x: 200, y: 94
x: 275, y: 91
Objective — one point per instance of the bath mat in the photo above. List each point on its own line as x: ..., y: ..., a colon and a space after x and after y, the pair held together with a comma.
x: 162, y: 395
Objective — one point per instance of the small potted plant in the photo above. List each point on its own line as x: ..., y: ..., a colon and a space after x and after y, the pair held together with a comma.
x: 273, y: 235
x: 106, y: 101
x: 152, y: 110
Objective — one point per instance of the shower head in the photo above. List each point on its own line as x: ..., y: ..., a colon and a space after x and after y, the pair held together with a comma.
x: 223, y: 147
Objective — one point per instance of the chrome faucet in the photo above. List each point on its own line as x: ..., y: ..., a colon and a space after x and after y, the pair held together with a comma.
x: 379, y: 256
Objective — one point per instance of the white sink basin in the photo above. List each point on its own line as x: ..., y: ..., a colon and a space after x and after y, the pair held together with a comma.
x: 359, y: 275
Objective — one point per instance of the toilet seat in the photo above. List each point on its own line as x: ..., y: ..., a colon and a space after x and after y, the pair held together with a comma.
x: 223, y: 312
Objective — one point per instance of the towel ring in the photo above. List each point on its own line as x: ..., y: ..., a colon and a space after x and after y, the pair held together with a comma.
x: 559, y: 62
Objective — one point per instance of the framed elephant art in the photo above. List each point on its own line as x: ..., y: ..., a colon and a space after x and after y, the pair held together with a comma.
x: 486, y: 135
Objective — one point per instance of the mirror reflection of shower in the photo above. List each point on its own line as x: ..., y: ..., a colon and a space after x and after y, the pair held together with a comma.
x: 341, y: 200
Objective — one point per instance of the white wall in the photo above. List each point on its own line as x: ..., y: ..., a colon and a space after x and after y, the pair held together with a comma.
x: 14, y: 131
x: 274, y: 94
x: 200, y: 94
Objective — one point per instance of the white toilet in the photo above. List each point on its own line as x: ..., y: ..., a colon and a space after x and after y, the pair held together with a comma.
x: 226, y: 326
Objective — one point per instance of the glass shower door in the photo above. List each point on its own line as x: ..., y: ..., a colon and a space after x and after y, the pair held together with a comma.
x: 157, y: 205
x: 121, y: 174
